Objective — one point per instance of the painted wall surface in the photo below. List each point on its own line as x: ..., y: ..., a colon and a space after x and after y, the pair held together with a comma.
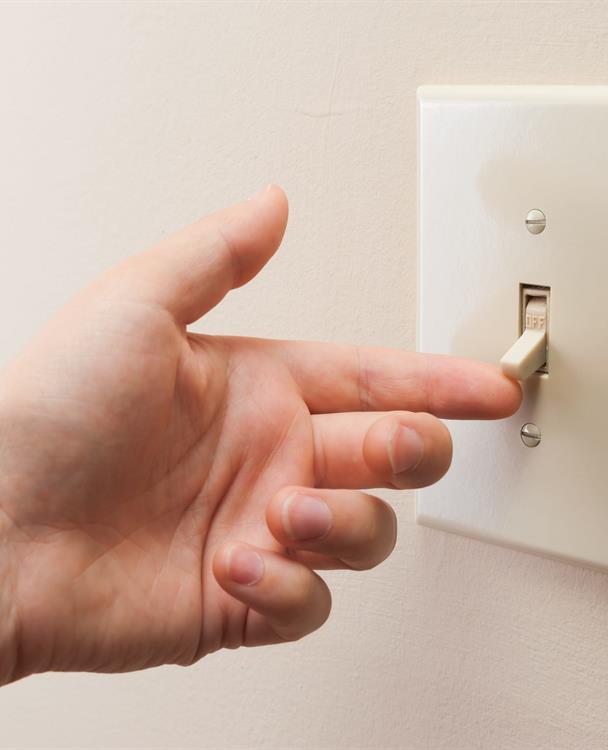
x: 122, y: 121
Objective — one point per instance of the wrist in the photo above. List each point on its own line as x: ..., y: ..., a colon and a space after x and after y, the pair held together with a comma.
x: 16, y: 485
x: 10, y: 668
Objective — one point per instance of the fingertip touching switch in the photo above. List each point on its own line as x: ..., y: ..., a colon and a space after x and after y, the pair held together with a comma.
x: 529, y: 353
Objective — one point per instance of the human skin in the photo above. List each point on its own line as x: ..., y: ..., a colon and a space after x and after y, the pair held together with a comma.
x: 165, y: 494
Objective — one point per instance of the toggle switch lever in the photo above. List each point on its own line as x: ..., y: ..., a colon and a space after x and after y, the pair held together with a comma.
x: 529, y: 352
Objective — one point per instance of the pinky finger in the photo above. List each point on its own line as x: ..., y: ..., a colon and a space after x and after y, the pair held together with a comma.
x: 287, y: 598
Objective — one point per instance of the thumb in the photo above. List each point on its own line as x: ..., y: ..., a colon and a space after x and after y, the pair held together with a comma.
x: 191, y: 271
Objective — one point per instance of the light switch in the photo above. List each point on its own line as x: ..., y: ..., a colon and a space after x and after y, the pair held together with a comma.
x: 529, y: 353
x: 513, y: 257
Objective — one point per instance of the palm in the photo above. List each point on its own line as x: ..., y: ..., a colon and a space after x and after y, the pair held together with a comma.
x: 251, y: 442
x: 142, y: 450
x: 190, y: 441
x: 264, y: 444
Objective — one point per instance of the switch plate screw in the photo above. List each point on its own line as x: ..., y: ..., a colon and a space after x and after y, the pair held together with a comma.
x: 536, y: 221
x: 530, y: 435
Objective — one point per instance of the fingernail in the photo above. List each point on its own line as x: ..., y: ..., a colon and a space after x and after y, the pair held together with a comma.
x: 262, y: 192
x: 405, y: 449
x: 306, y: 517
x: 245, y: 566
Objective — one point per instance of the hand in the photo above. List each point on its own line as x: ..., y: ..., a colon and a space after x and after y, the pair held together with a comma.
x: 164, y: 494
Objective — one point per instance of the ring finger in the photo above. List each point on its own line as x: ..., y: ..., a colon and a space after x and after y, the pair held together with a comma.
x: 333, y: 528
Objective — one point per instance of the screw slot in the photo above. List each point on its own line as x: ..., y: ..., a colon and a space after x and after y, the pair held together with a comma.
x: 530, y: 435
x: 536, y: 221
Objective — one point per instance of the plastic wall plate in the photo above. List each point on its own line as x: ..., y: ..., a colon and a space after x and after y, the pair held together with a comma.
x: 487, y: 157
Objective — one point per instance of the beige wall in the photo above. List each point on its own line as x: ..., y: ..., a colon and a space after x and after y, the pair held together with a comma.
x: 122, y: 121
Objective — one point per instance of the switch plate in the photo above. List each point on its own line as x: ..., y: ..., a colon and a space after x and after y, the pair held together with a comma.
x: 487, y: 156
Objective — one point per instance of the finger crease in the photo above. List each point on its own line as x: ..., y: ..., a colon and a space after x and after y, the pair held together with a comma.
x: 245, y: 624
x: 363, y: 388
x: 426, y: 384
x: 233, y: 256
x: 320, y: 456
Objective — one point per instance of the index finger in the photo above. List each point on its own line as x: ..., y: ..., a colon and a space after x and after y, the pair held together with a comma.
x: 335, y: 378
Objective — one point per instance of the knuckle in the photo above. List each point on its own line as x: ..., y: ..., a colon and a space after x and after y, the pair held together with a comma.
x: 306, y: 612
x: 377, y: 539
x: 298, y: 599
